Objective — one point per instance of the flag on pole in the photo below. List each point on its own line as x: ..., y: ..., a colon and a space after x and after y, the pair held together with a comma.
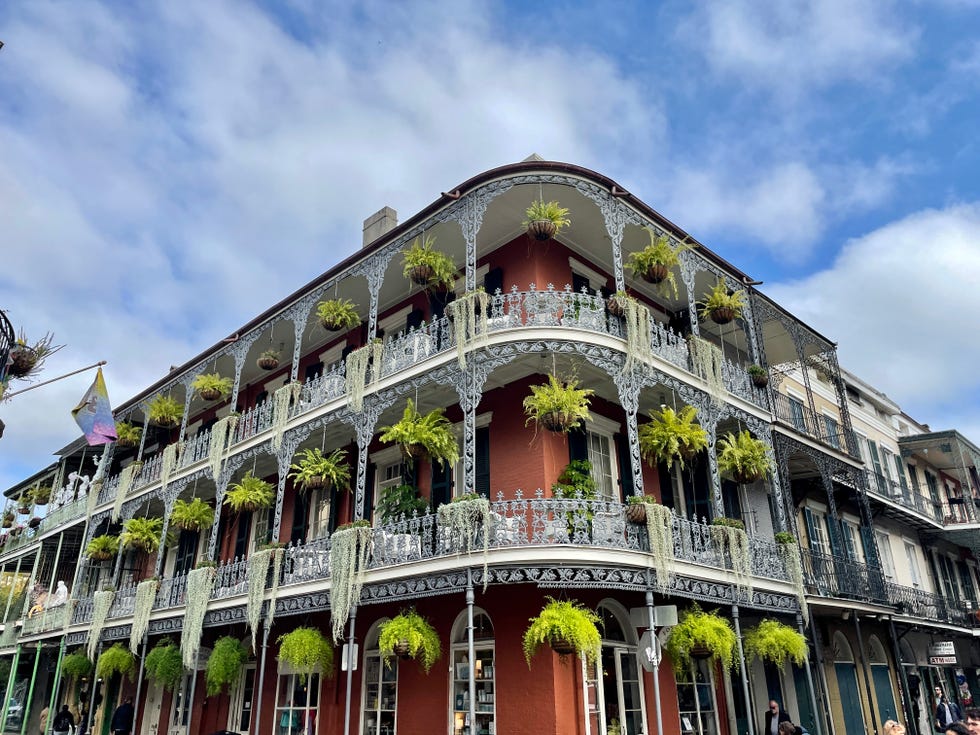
x: 93, y: 414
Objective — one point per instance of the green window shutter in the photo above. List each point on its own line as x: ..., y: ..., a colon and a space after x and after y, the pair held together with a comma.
x: 301, y: 513
x: 442, y: 484
x: 811, y: 524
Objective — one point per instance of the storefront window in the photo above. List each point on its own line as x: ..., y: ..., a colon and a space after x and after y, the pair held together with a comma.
x: 296, y: 704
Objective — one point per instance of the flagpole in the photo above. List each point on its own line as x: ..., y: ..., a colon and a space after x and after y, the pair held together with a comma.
x: 60, y: 377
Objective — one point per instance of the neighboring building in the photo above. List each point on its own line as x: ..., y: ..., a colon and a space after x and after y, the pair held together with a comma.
x: 849, y: 503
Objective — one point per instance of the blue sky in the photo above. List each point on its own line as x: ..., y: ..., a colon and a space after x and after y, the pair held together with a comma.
x: 171, y: 169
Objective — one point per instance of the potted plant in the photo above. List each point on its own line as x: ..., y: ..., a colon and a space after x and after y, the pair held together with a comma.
x: 759, y: 375
x: 409, y: 635
x: 102, y: 548
x: 427, y: 267
x: 225, y: 664
x: 401, y: 500
x: 165, y: 412
x: 558, y: 406
x: 337, y: 314
x: 8, y: 518
x: 789, y: 551
x: 544, y: 219
x: 306, y: 650
x: 671, y: 435
x: 314, y: 470
x: 42, y: 495
x: 195, y: 515
x: 24, y: 360
x: 127, y: 435
x: 34, y: 522
x: 211, y: 386
x: 636, y: 507
x: 76, y: 665
x: 655, y: 263
x: 268, y: 360
x: 24, y: 502
x: 775, y: 642
x: 163, y: 665
x: 142, y: 534
x: 699, y: 635
x: 743, y: 458
x: 722, y: 307
x: 250, y: 494
x: 16, y: 531
x: 565, y: 625
x: 116, y: 660
x: 423, y: 436
x: 616, y: 304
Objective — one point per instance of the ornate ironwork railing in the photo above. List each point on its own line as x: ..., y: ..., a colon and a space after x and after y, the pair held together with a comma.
x: 903, y: 495
x: 918, y: 603
x: 826, y: 429
x: 828, y: 575
x: 7, y: 338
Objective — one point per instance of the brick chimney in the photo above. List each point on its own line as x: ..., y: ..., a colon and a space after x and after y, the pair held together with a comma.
x: 382, y: 221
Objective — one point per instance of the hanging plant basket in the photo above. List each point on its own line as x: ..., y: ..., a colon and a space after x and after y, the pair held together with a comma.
x: 414, y: 451
x: 21, y: 361
x: 655, y: 273
x: 332, y: 325
x: 700, y: 652
x: 563, y: 647
x: 34, y: 522
x: 402, y: 650
x: 314, y: 482
x: 16, y: 531
x: 559, y: 422
x: 541, y: 229
x: 421, y: 274
x: 166, y: 423
x: 7, y: 522
x: 210, y: 394
x: 636, y: 513
x: 760, y: 381
x: 616, y: 306
x: 267, y: 362
x: 722, y: 315
x: 23, y: 509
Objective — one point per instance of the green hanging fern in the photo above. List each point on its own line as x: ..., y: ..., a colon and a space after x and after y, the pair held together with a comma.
x: 76, y: 665
x: 420, y: 435
x: 742, y: 458
x: 195, y: 515
x: 211, y: 386
x: 563, y: 622
x: 250, y: 494
x: 128, y: 435
x: 225, y: 664
x: 165, y: 411
x: 305, y: 649
x: 550, y: 211
x: 670, y: 435
x: 775, y: 642
x: 316, y: 470
x: 558, y: 406
x: 655, y: 263
x: 337, y: 314
x: 163, y: 665
x: 116, y: 660
x: 410, y: 629
x: 426, y: 266
x: 699, y: 629
x: 719, y: 298
x: 142, y: 534
x: 102, y: 548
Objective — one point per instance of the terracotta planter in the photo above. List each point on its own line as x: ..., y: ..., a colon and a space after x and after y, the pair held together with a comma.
x: 21, y: 361
x: 562, y: 647
x: 24, y: 510
x: 614, y: 305
x: 542, y: 229
x: 722, y: 315
x: 267, y: 363
x: 700, y: 652
x: 760, y: 381
x: 210, y: 394
x: 636, y: 513
x: 557, y: 421
x: 401, y: 650
x: 7, y: 523
x: 420, y: 275
x: 655, y: 273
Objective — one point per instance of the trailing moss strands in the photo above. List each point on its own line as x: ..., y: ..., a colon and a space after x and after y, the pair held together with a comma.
x: 349, y: 548
x: 101, y: 602
x: 470, y: 322
x: 258, y: 570
x: 729, y: 537
x: 464, y: 518
x: 707, y: 359
x: 146, y: 592
x: 168, y: 462
x: 660, y: 531
x: 225, y: 664
x: 200, y: 583
x: 639, y: 349
x: 221, y: 435
x: 163, y: 665
x: 356, y: 371
x: 789, y: 551
x: 277, y: 557
x: 126, y: 479
x: 281, y: 400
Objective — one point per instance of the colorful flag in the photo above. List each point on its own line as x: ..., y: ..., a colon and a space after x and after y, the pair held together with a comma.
x: 93, y: 414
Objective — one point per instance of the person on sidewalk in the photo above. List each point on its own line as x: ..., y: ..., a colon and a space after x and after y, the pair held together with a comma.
x: 64, y: 722
x: 122, y: 719
x: 774, y: 716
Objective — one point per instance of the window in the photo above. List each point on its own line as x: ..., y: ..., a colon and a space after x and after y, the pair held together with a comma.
x: 887, y: 560
x: 913, y: 559
x: 832, y: 428
x: 380, y: 690
x: 602, y: 450
x: 390, y: 472
x: 696, y: 699
x: 484, y: 673
x: 320, y: 506
x: 796, y: 413
x: 240, y: 714
x: 616, y: 694
x: 816, y: 530
x: 296, y: 704
x: 852, y: 540
x: 261, y: 529
x: 180, y: 708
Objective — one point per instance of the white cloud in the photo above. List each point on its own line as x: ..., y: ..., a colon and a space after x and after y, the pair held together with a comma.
x: 794, y: 45
x: 901, y: 302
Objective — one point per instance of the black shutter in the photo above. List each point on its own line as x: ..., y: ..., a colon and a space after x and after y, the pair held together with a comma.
x: 241, y: 539
x: 415, y: 317
x: 313, y: 371
x: 438, y: 301
x: 626, y: 486
x: 186, y: 551
x: 579, y: 282
x: 578, y: 445
x: 301, y: 516
x: 368, y: 492
x: 345, y: 352
x: 483, y: 461
x: 730, y: 500
x: 442, y: 484
x: 334, y: 502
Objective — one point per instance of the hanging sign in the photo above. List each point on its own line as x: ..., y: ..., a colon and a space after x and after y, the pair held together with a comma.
x: 942, y: 653
x: 649, y: 652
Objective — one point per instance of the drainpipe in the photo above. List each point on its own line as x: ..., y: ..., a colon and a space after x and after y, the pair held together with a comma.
x: 262, y: 658
x: 350, y: 669
x: 470, y: 648
x: 867, y: 672
x: 809, y: 679
x: 903, y: 684
x: 745, y: 674
x: 30, y: 692
x: 53, y: 700
x: 139, y: 684
x: 90, y: 721
x: 190, y: 700
x: 656, y: 661
x: 10, y: 685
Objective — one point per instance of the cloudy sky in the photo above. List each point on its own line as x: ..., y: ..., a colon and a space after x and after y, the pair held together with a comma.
x: 168, y: 170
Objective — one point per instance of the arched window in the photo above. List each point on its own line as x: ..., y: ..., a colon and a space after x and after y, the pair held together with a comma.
x: 618, y: 692
x: 483, y: 670
x: 842, y: 649
x: 379, y: 693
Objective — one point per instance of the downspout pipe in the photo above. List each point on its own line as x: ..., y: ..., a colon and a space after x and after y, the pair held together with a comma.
x: 262, y: 658
x: 350, y: 669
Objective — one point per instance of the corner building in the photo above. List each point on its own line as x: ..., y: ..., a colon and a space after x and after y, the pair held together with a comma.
x: 546, y: 314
